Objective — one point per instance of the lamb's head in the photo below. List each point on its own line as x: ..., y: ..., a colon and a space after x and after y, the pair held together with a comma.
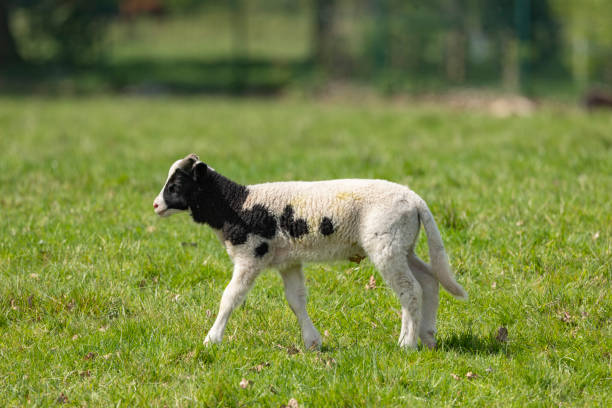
x: 183, y: 178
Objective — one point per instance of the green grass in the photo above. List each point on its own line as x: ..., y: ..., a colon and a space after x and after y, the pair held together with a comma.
x: 106, y: 304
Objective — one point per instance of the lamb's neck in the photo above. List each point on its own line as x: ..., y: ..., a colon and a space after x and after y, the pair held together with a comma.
x: 217, y: 200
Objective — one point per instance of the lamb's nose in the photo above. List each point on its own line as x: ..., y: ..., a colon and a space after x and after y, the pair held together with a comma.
x: 155, y: 205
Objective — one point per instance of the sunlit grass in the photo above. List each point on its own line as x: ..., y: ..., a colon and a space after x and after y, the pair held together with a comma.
x: 105, y: 304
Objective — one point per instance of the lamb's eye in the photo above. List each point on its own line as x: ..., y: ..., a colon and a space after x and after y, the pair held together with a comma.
x: 172, y: 189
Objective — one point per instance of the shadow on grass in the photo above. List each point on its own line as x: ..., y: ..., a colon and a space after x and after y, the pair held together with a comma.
x: 473, y: 344
x: 230, y: 76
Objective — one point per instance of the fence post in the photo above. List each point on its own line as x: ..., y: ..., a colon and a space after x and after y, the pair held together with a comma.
x: 240, y: 65
x: 522, y: 22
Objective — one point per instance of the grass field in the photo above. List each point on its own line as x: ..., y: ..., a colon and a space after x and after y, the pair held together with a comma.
x: 104, y: 304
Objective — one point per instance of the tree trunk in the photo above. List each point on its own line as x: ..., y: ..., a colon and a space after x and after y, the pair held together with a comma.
x: 511, y: 74
x: 240, y: 65
x: 323, y: 38
x: 456, y: 41
x: 8, y: 47
x: 455, y: 56
x: 580, y: 60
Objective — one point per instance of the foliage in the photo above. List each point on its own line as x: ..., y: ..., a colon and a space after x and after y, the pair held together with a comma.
x: 460, y: 40
x: 67, y: 31
x: 102, y: 303
x: 399, y: 45
x: 588, y: 37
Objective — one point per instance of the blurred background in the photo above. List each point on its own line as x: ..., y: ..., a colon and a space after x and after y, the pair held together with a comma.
x: 556, y: 49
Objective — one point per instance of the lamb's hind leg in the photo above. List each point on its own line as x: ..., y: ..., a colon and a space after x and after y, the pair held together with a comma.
x: 430, y: 286
x: 391, y: 260
x: 295, y: 292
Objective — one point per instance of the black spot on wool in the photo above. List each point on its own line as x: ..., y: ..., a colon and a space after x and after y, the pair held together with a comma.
x: 295, y: 227
x: 326, y: 227
x: 261, y: 250
x: 217, y: 201
x: 257, y: 220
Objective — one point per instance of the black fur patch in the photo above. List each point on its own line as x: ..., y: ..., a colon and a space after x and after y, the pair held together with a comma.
x: 217, y: 201
x: 236, y: 233
x: 173, y: 194
x: 326, y: 227
x: 260, y: 220
x: 257, y: 220
x: 261, y: 250
x: 295, y: 227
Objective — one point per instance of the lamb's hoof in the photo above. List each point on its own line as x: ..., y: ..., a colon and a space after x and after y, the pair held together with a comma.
x: 428, y: 339
x: 407, y: 344
x: 211, y: 340
x: 313, y: 342
x: 431, y: 345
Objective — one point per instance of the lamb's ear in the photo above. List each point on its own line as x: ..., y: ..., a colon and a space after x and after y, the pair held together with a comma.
x: 193, y: 157
x: 188, y: 162
x: 199, y: 171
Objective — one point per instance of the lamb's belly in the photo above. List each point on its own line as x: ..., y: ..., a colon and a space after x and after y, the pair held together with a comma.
x: 320, y: 252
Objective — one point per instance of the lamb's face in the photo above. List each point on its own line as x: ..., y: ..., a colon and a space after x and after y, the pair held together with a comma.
x: 173, y: 198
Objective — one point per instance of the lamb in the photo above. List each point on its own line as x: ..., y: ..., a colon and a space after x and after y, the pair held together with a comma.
x: 283, y: 224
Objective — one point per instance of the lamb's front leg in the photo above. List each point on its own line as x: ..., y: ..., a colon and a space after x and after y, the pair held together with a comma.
x: 295, y: 292
x: 235, y: 292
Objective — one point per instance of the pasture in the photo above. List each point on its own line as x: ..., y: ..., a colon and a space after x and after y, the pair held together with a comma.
x: 102, y: 303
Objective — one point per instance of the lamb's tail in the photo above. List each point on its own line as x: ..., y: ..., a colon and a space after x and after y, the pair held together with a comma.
x: 439, y: 260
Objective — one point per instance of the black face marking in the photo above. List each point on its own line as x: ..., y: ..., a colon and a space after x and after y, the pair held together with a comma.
x: 261, y: 250
x: 295, y: 227
x: 326, y: 227
x: 217, y: 201
x: 177, y: 190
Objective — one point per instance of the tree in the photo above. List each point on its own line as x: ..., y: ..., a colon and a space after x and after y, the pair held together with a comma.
x: 71, y: 27
x: 324, y: 35
x: 456, y: 41
x: 526, y: 33
x: 8, y: 46
x: 587, y: 28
